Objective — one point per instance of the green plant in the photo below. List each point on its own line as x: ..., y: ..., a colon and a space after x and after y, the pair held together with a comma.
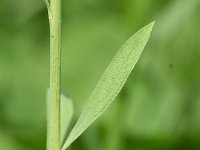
x: 60, y: 108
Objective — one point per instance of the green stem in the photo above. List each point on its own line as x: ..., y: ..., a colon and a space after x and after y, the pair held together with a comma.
x: 55, y: 75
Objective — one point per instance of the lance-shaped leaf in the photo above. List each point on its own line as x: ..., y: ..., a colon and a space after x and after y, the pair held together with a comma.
x: 111, y: 82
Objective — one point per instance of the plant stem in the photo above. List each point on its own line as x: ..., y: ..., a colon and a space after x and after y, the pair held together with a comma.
x: 55, y: 75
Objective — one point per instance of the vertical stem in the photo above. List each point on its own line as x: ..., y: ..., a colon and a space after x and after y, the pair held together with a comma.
x: 55, y: 76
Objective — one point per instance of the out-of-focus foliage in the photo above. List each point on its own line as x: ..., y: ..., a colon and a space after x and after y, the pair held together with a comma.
x: 66, y: 114
x: 159, y: 107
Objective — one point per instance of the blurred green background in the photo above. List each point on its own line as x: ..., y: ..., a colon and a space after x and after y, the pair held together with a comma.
x: 159, y: 107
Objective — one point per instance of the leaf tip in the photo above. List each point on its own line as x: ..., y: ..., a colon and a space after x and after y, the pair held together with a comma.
x: 151, y: 25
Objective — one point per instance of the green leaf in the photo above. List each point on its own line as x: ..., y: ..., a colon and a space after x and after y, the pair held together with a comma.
x: 111, y: 82
x: 66, y: 113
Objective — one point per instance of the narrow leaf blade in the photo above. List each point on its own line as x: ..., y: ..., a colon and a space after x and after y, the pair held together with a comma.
x: 111, y: 82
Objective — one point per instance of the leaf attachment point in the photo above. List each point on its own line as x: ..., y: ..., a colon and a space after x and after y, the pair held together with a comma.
x: 48, y: 9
